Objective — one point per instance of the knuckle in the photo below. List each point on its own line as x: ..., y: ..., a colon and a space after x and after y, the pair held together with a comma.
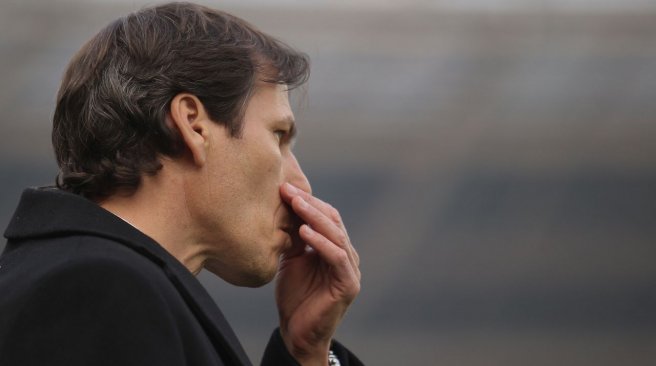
x: 341, y: 239
x: 334, y: 214
x: 354, y: 290
x: 356, y: 256
x: 341, y: 256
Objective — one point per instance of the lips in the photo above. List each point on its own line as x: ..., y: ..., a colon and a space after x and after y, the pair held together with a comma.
x: 291, y: 221
x: 290, y: 226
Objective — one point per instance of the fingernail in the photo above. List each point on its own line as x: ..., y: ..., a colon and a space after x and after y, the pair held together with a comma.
x: 302, y: 203
x: 308, y: 230
x: 291, y: 188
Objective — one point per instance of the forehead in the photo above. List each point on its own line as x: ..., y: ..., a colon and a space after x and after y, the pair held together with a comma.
x: 270, y: 102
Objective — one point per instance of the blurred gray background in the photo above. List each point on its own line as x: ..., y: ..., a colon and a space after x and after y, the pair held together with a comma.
x: 494, y: 161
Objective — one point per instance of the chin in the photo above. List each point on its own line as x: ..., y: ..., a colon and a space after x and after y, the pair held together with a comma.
x: 257, y: 278
x: 253, y: 277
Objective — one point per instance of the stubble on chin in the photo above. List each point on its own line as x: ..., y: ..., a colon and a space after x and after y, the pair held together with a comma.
x: 254, y: 274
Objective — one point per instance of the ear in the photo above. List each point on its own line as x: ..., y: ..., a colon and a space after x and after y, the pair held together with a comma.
x: 190, y: 118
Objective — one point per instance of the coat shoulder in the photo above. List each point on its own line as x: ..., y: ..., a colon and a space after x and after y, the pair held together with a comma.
x: 80, y: 255
x: 79, y: 298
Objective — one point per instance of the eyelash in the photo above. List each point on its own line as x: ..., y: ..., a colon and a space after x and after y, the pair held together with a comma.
x: 281, y: 134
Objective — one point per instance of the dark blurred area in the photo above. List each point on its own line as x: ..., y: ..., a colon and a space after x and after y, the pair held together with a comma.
x: 495, y: 166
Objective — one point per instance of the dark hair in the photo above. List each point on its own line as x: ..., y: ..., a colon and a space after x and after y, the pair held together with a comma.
x: 110, y: 123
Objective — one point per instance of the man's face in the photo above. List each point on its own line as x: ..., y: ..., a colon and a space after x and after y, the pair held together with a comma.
x: 242, y: 219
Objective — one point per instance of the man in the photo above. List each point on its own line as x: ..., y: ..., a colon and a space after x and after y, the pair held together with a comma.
x: 173, y: 135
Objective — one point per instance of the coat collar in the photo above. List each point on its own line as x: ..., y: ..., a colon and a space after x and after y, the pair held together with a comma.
x: 48, y: 211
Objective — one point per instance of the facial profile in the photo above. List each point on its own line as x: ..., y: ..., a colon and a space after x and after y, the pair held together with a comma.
x: 234, y: 195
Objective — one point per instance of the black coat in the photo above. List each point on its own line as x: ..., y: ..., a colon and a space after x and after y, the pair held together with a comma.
x: 79, y: 286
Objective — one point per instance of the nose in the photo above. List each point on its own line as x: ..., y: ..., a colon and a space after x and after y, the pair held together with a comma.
x: 294, y: 174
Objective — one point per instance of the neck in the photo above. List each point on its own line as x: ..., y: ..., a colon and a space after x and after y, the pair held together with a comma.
x: 156, y: 210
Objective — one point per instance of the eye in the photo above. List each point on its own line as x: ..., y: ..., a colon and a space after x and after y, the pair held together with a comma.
x: 280, y: 134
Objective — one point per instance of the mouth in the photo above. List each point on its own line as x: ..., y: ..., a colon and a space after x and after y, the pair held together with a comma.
x: 290, y: 226
x: 291, y: 222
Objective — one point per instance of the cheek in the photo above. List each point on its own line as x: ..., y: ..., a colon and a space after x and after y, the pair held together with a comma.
x: 259, y: 192
x: 270, y: 182
x: 268, y: 168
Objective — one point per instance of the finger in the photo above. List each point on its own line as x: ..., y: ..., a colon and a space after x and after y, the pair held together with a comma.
x: 322, y: 224
x: 336, y: 257
x: 289, y: 192
x: 356, y: 256
x: 319, y: 221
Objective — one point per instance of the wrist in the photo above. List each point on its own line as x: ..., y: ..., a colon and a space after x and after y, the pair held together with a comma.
x: 305, y: 353
x: 313, y: 360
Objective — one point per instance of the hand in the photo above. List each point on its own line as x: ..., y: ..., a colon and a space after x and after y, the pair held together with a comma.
x: 315, y: 285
